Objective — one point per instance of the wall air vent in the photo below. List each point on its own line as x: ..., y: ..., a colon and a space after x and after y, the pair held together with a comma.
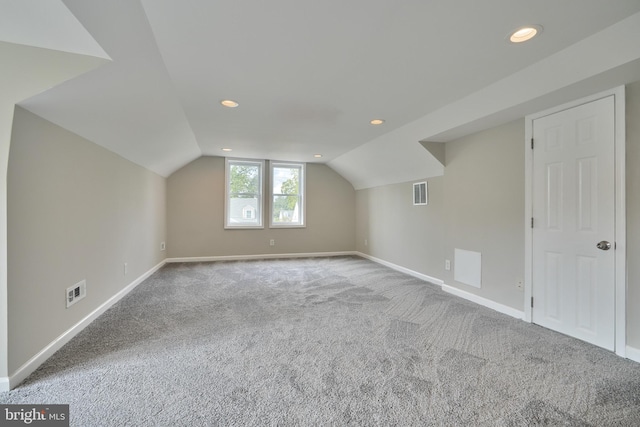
x: 420, y: 193
x: 76, y: 292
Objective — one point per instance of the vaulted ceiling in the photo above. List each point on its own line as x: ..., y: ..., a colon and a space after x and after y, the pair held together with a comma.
x: 310, y: 75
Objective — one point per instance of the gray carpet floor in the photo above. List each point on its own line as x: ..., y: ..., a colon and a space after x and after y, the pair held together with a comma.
x: 329, y: 341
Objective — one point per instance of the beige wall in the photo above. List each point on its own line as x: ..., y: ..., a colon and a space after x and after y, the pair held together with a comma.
x: 75, y: 211
x: 6, y: 124
x: 633, y: 214
x: 482, y: 203
x: 400, y: 233
x: 478, y: 205
x: 484, y: 209
x: 195, y: 215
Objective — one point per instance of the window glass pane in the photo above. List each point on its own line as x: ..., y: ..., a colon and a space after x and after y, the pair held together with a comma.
x: 244, y: 198
x: 286, y: 209
x: 287, y: 187
x: 244, y: 179
x: 286, y: 180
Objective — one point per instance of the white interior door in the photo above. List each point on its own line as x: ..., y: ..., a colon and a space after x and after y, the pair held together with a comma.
x: 573, y: 178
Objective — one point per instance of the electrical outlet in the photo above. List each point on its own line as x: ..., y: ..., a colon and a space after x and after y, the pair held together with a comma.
x: 272, y: 242
x: 162, y: 246
x: 447, y: 264
x: 519, y: 284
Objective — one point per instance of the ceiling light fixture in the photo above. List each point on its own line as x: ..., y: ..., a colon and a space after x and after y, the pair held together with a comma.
x: 523, y: 34
x: 317, y: 156
x: 376, y: 122
x: 227, y: 149
x: 229, y: 103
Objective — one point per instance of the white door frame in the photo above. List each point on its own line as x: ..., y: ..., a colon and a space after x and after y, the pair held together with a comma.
x: 620, y: 210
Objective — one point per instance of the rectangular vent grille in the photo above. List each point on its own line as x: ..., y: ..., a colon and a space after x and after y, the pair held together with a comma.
x: 420, y: 193
x: 76, y: 292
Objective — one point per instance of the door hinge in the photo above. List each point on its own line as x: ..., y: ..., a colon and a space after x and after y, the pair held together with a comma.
x: 532, y: 143
x: 531, y: 302
x: 531, y: 222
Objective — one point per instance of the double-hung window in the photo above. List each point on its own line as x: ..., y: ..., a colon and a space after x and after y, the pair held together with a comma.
x: 244, y: 184
x: 287, y: 194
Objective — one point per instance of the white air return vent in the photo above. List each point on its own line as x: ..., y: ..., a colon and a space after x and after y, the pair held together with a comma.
x: 467, y: 267
x: 420, y: 193
x: 76, y: 292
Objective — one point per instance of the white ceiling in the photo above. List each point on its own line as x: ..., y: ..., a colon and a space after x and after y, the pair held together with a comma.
x: 310, y: 75
x: 45, y: 24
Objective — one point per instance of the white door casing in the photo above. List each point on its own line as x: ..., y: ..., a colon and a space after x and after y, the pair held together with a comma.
x: 573, y: 209
x: 575, y: 195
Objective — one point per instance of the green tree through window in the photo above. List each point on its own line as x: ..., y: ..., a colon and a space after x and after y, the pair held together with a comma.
x: 287, y: 194
x: 244, y: 181
x: 288, y: 197
x: 244, y: 188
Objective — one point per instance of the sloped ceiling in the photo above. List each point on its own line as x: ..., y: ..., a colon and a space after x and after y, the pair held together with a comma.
x: 46, y: 24
x: 32, y: 63
x: 41, y: 45
x: 310, y: 75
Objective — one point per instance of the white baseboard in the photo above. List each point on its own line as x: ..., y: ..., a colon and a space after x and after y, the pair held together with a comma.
x: 401, y: 269
x: 504, y: 309
x: 454, y: 291
x: 632, y: 354
x: 260, y: 256
x: 32, y: 364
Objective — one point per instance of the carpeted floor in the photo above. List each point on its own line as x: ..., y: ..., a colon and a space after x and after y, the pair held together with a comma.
x: 328, y: 341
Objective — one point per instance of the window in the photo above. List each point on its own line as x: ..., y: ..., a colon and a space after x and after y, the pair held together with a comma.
x: 287, y: 194
x: 244, y: 200
x: 244, y: 180
x: 248, y: 212
x: 420, y: 193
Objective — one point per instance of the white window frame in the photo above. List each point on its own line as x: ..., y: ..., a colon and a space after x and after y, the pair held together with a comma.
x: 302, y: 207
x: 260, y: 196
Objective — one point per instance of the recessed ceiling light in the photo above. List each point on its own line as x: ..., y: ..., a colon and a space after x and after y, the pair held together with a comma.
x: 229, y: 103
x: 227, y: 149
x: 376, y: 122
x: 524, y: 33
x: 317, y: 156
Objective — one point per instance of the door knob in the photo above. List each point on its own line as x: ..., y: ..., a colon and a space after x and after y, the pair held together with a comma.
x: 604, y: 245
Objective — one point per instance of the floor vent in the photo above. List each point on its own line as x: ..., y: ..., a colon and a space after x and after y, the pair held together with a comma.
x: 76, y: 292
